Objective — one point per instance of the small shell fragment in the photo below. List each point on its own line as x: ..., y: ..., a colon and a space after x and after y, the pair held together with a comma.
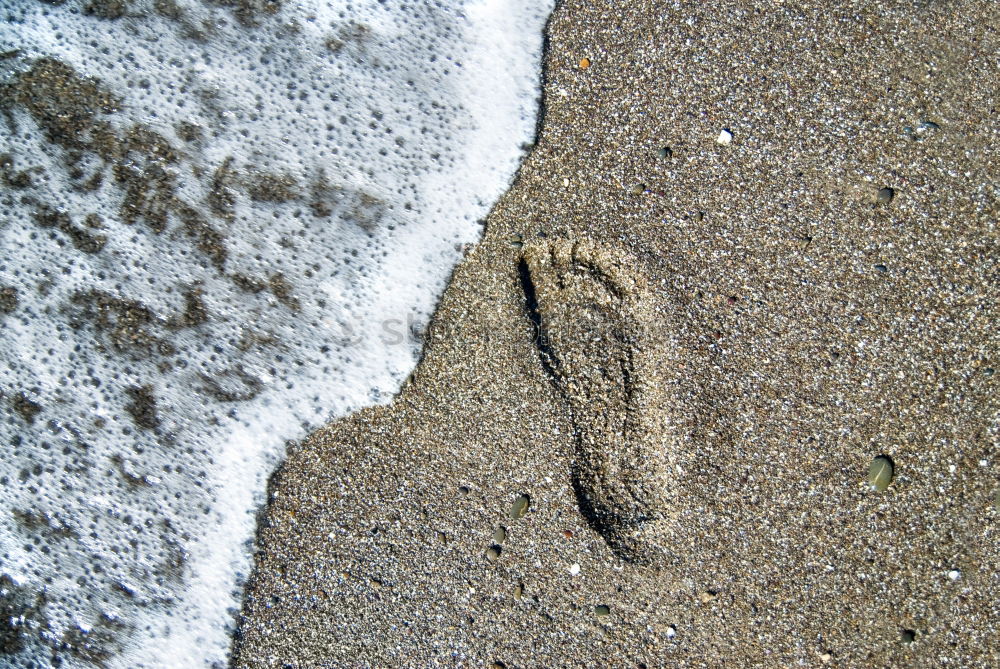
x: 880, y: 473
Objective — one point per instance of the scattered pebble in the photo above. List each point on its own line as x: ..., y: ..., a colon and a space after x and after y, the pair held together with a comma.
x: 584, y: 63
x: 519, y: 591
x: 493, y: 553
x: 725, y: 137
x: 638, y: 189
x: 838, y: 51
x: 707, y: 596
x: 602, y: 610
x: 574, y: 569
x: 520, y: 507
x: 954, y: 574
x: 671, y: 631
x: 665, y: 153
x: 885, y: 195
x: 463, y: 490
x: 881, y: 268
x: 908, y: 636
x: 880, y: 473
x: 568, y: 534
x: 500, y: 535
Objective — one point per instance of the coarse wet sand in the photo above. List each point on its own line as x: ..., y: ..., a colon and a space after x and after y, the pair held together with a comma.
x: 777, y: 223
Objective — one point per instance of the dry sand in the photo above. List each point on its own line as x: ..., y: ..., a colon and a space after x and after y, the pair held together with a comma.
x: 709, y: 479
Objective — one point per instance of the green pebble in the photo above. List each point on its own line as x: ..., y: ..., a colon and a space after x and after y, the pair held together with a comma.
x: 665, y: 153
x: 602, y: 610
x: 520, y: 507
x: 880, y: 473
x: 519, y: 591
x: 638, y: 189
x: 493, y: 554
x: 885, y: 195
x: 500, y: 535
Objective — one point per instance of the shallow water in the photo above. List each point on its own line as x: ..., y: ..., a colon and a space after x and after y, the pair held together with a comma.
x: 222, y: 225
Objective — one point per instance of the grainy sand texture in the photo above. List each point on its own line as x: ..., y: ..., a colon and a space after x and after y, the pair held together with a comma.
x: 754, y: 248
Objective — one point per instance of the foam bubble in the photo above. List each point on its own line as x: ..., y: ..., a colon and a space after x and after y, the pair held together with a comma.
x: 220, y: 227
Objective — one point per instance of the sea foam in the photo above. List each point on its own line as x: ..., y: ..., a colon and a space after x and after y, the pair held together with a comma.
x: 223, y: 223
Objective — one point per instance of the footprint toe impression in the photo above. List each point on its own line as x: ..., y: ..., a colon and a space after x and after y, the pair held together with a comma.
x: 597, y: 341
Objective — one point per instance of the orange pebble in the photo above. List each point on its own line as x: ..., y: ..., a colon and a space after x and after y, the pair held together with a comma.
x: 568, y: 534
x: 584, y: 63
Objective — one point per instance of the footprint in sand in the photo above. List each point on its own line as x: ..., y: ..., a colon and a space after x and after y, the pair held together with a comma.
x: 597, y: 341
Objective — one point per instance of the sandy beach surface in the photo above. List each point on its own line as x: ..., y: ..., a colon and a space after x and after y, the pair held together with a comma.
x: 759, y: 239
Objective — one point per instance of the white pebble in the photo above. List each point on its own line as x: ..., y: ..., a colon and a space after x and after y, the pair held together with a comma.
x: 671, y: 632
x: 725, y: 137
x: 954, y: 574
x: 574, y: 569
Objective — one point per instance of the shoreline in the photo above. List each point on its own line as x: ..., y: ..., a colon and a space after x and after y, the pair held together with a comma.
x: 814, y: 323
